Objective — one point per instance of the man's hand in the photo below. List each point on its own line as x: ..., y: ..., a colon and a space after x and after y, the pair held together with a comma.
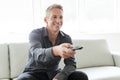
x: 54, y: 79
x: 63, y: 50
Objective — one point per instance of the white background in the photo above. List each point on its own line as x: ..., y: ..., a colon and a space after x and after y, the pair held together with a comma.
x: 82, y: 19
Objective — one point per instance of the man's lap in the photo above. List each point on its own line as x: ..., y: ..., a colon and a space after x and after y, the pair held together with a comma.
x: 33, y: 76
x: 76, y: 75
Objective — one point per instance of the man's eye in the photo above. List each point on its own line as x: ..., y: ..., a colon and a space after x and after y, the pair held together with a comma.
x: 61, y: 17
x: 54, y: 17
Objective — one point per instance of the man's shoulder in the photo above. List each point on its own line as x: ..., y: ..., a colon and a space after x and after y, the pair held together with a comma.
x: 37, y: 30
x: 66, y: 38
x: 64, y: 34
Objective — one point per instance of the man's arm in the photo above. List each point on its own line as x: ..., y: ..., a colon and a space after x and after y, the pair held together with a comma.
x: 37, y: 51
x: 70, y: 66
x: 68, y: 54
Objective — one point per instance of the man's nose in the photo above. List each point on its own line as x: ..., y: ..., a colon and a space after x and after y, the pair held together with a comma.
x: 58, y: 20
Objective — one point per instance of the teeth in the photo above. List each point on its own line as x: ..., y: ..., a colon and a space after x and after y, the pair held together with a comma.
x: 57, y: 25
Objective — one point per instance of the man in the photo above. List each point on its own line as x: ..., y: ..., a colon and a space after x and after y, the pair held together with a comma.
x: 47, y: 46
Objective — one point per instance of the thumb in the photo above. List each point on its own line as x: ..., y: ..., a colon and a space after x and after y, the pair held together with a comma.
x: 68, y: 45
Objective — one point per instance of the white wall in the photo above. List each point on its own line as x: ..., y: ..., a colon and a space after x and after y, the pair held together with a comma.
x: 18, y: 17
x: 16, y: 20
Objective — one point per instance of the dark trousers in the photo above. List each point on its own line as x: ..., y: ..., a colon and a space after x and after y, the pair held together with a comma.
x: 77, y: 75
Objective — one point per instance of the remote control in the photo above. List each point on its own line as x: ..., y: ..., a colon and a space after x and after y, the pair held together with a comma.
x: 76, y: 48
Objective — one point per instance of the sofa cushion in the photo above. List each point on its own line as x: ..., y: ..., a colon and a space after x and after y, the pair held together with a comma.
x: 4, y: 61
x: 94, y: 53
x: 102, y: 73
x: 18, y: 58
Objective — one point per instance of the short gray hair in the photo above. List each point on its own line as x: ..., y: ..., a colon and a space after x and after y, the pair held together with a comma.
x: 52, y: 7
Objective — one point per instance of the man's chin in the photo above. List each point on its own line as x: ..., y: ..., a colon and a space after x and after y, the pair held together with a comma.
x: 56, y: 31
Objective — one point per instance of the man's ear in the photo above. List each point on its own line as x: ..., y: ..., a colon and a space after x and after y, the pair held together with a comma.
x: 45, y: 19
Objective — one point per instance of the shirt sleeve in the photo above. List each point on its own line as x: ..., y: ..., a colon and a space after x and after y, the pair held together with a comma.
x: 40, y: 54
x: 70, y: 65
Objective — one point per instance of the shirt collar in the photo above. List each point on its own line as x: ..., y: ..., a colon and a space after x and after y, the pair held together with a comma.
x: 46, y: 33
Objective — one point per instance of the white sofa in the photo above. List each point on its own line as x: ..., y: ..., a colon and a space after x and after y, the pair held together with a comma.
x: 95, y: 59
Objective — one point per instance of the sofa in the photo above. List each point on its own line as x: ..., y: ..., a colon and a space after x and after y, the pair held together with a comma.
x: 95, y: 59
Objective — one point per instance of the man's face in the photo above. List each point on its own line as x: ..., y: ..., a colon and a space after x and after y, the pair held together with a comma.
x: 54, y: 20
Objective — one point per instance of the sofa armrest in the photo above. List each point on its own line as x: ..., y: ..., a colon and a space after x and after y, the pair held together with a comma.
x: 116, y: 57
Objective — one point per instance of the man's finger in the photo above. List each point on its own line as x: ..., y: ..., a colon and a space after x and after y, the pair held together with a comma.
x: 68, y: 45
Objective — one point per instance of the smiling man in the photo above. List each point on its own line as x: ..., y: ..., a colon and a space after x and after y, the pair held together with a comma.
x: 47, y: 46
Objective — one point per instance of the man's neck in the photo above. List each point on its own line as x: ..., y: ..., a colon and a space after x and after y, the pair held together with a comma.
x: 52, y: 36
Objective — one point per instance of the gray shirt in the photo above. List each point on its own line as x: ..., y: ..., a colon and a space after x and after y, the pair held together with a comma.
x: 41, y: 58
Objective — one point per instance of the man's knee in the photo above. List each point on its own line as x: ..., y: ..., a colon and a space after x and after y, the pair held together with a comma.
x: 83, y: 75
x: 78, y: 75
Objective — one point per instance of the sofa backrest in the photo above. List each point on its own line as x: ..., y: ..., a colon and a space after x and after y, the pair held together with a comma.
x: 95, y: 53
x: 4, y: 61
x: 18, y: 58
